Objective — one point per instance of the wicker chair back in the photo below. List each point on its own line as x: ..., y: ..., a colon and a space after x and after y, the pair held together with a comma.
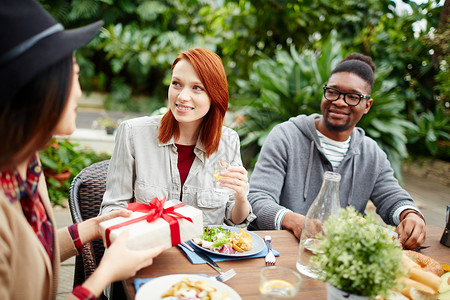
x: 85, y: 196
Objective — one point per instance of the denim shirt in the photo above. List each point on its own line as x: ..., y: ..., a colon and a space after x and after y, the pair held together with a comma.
x: 142, y: 168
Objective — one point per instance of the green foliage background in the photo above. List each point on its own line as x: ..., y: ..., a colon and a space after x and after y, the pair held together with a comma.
x: 62, y: 155
x: 277, y: 54
x: 291, y: 83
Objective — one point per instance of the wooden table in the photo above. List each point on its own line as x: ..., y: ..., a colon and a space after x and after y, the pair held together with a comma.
x: 245, y: 282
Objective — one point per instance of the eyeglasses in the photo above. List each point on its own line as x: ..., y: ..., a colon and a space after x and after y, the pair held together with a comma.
x: 352, y: 99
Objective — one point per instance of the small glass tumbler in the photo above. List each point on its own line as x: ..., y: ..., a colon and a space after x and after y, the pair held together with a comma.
x: 220, y: 167
x: 278, y: 283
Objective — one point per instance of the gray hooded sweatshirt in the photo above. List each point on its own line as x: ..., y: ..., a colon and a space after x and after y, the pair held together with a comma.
x: 290, y: 170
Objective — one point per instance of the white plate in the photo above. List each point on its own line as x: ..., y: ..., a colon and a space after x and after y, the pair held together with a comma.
x: 257, y: 243
x: 153, y: 289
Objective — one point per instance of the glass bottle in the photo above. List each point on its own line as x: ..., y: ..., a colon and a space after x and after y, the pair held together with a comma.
x: 325, y: 204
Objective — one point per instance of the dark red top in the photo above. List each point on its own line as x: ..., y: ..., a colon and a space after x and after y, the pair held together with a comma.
x: 185, y: 159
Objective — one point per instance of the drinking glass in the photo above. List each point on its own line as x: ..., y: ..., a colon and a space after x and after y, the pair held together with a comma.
x: 220, y: 167
x: 278, y: 283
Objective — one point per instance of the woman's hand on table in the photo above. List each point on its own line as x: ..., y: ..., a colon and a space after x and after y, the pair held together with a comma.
x: 411, y: 230
x: 119, y: 263
x: 89, y: 230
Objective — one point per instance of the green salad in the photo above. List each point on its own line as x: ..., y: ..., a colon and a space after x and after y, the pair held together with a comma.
x: 218, y: 236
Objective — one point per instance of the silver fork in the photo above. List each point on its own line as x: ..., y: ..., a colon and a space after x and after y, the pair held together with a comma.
x: 223, y: 276
x: 270, y: 258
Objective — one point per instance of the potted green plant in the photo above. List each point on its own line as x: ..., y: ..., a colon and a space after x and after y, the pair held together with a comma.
x: 61, y: 161
x: 357, y: 256
x: 107, y: 123
x: 56, y: 158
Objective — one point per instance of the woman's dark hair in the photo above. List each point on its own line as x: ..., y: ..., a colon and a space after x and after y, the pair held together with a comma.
x: 28, y: 118
x: 359, y: 64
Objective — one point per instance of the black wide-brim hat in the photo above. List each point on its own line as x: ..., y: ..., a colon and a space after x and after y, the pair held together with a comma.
x: 31, y: 41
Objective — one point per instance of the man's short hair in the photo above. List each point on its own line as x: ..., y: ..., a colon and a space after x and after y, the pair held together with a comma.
x: 359, y: 64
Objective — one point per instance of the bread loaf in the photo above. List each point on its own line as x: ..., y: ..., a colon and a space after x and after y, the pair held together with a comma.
x: 425, y: 262
x: 428, y: 278
x: 413, y: 284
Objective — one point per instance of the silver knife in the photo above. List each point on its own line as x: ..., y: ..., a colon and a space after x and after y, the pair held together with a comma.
x: 205, y: 257
x: 223, y: 276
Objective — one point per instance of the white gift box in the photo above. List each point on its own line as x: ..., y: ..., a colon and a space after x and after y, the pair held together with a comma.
x: 145, y: 235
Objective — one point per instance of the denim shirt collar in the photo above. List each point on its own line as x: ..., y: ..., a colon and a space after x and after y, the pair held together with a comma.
x: 199, y: 150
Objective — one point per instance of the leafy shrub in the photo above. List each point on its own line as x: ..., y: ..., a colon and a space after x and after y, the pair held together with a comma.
x: 433, y: 134
x: 140, y: 39
x: 357, y: 255
x: 62, y: 155
x: 280, y: 88
x: 291, y: 84
x: 419, y: 61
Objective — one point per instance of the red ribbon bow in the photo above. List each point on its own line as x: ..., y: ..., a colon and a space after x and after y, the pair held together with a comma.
x: 154, y: 210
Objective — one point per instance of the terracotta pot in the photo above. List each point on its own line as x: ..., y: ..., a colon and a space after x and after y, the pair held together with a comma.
x: 60, y: 177
x: 333, y: 293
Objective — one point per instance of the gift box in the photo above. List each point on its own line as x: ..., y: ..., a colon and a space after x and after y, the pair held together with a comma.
x: 156, y: 223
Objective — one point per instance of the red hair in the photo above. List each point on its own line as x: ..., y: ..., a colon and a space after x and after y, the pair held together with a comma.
x: 209, y: 69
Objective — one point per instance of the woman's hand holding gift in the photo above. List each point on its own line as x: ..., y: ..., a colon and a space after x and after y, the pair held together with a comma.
x: 119, y: 263
x: 89, y: 230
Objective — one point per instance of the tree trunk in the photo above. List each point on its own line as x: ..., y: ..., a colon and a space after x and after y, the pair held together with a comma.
x: 437, y: 55
x: 445, y: 14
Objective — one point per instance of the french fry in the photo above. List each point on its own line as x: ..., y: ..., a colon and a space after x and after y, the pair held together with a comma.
x: 241, y: 241
x: 236, y: 247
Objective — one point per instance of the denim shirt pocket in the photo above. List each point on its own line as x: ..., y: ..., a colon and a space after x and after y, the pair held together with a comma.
x: 213, y: 205
x: 144, y: 192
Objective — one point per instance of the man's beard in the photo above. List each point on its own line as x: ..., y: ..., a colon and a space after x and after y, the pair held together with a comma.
x: 338, y: 128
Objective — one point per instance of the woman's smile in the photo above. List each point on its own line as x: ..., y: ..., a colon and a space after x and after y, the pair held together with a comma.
x: 182, y: 107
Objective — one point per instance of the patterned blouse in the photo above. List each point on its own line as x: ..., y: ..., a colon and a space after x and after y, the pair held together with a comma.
x: 16, y: 189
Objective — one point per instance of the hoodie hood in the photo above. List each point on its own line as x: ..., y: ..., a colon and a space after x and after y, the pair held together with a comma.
x: 306, y: 124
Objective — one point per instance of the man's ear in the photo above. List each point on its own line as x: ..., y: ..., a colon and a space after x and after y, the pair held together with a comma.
x: 368, y: 105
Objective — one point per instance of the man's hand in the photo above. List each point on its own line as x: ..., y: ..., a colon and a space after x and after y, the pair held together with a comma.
x: 293, y: 222
x: 411, y: 230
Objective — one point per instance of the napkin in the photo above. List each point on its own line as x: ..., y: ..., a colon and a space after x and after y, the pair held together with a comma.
x: 139, y: 282
x: 195, y: 259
